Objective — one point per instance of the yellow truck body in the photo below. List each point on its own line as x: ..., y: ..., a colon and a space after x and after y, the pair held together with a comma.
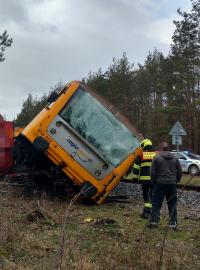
x: 84, y: 136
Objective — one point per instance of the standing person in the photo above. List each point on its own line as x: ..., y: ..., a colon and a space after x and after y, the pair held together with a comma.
x: 141, y: 173
x: 165, y: 173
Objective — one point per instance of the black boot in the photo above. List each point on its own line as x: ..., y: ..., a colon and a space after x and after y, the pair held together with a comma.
x: 146, y: 213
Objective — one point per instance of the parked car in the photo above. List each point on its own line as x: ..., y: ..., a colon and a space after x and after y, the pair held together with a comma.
x: 190, y: 162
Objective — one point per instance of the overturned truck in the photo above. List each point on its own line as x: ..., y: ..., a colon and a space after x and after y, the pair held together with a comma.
x: 78, y: 139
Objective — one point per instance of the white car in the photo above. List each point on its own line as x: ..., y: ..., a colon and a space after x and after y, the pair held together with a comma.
x: 190, y: 162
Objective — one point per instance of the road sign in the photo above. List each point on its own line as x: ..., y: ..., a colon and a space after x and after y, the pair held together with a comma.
x: 177, y: 130
x: 176, y: 140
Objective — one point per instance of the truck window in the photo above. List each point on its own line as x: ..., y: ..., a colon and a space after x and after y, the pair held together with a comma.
x: 99, y: 127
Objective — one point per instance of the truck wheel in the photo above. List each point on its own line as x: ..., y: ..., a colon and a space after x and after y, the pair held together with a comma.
x: 193, y: 170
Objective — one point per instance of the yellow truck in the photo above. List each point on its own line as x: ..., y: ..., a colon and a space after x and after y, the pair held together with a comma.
x: 81, y: 138
x: 17, y: 131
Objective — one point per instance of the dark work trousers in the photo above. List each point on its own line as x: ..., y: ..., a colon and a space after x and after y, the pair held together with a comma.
x: 147, y: 189
x: 159, y: 192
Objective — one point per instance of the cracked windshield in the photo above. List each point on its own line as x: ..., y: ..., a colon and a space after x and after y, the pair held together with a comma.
x: 99, y: 127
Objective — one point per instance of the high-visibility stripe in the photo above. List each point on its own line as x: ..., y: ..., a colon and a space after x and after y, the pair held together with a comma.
x: 149, y: 205
x: 136, y: 166
x: 148, y: 155
x: 145, y: 177
x: 136, y: 176
x: 129, y: 179
x: 145, y: 164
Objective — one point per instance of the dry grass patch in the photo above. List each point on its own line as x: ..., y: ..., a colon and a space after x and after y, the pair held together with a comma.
x: 33, y: 235
x: 195, y: 179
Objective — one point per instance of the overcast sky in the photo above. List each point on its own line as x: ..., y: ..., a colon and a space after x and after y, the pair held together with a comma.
x: 62, y: 40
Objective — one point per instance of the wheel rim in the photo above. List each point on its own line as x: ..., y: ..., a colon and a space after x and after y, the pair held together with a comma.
x: 193, y: 170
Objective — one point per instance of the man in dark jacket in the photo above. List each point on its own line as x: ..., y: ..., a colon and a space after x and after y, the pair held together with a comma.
x: 165, y: 173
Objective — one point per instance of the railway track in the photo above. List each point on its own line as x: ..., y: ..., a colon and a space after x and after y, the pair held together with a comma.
x: 129, y: 192
x: 187, y: 187
x: 21, y: 180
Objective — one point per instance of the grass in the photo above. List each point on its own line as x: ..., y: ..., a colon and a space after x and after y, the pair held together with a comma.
x: 111, y: 236
x: 195, y: 180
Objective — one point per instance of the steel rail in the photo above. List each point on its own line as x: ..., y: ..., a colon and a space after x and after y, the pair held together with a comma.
x: 188, y: 187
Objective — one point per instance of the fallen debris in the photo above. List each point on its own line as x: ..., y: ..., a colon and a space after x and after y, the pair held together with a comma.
x: 104, y: 221
x: 38, y: 215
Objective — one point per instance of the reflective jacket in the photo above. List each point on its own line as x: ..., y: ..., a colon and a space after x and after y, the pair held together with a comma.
x: 142, y: 165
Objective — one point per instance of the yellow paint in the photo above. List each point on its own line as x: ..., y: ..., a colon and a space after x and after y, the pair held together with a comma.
x: 78, y: 174
x: 18, y: 130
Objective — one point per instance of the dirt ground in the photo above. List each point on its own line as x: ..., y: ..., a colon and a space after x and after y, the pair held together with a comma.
x: 39, y: 233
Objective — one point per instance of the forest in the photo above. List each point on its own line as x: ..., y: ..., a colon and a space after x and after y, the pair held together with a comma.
x: 155, y: 94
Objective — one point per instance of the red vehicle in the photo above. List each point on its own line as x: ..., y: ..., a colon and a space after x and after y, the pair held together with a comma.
x: 6, y: 145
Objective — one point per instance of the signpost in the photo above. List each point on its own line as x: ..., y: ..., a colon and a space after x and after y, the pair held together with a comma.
x: 176, y: 140
x: 177, y: 132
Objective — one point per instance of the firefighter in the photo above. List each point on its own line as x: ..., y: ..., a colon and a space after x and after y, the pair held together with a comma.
x: 141, y: 173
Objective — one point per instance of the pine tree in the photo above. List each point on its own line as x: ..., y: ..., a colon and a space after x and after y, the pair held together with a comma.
x: 186, y: 62
x: 5, y: 42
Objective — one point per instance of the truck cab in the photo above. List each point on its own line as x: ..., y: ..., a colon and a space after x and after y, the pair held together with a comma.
x: 85, y: 137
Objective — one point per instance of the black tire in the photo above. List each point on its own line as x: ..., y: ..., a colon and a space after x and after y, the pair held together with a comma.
x: 194, y: 170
